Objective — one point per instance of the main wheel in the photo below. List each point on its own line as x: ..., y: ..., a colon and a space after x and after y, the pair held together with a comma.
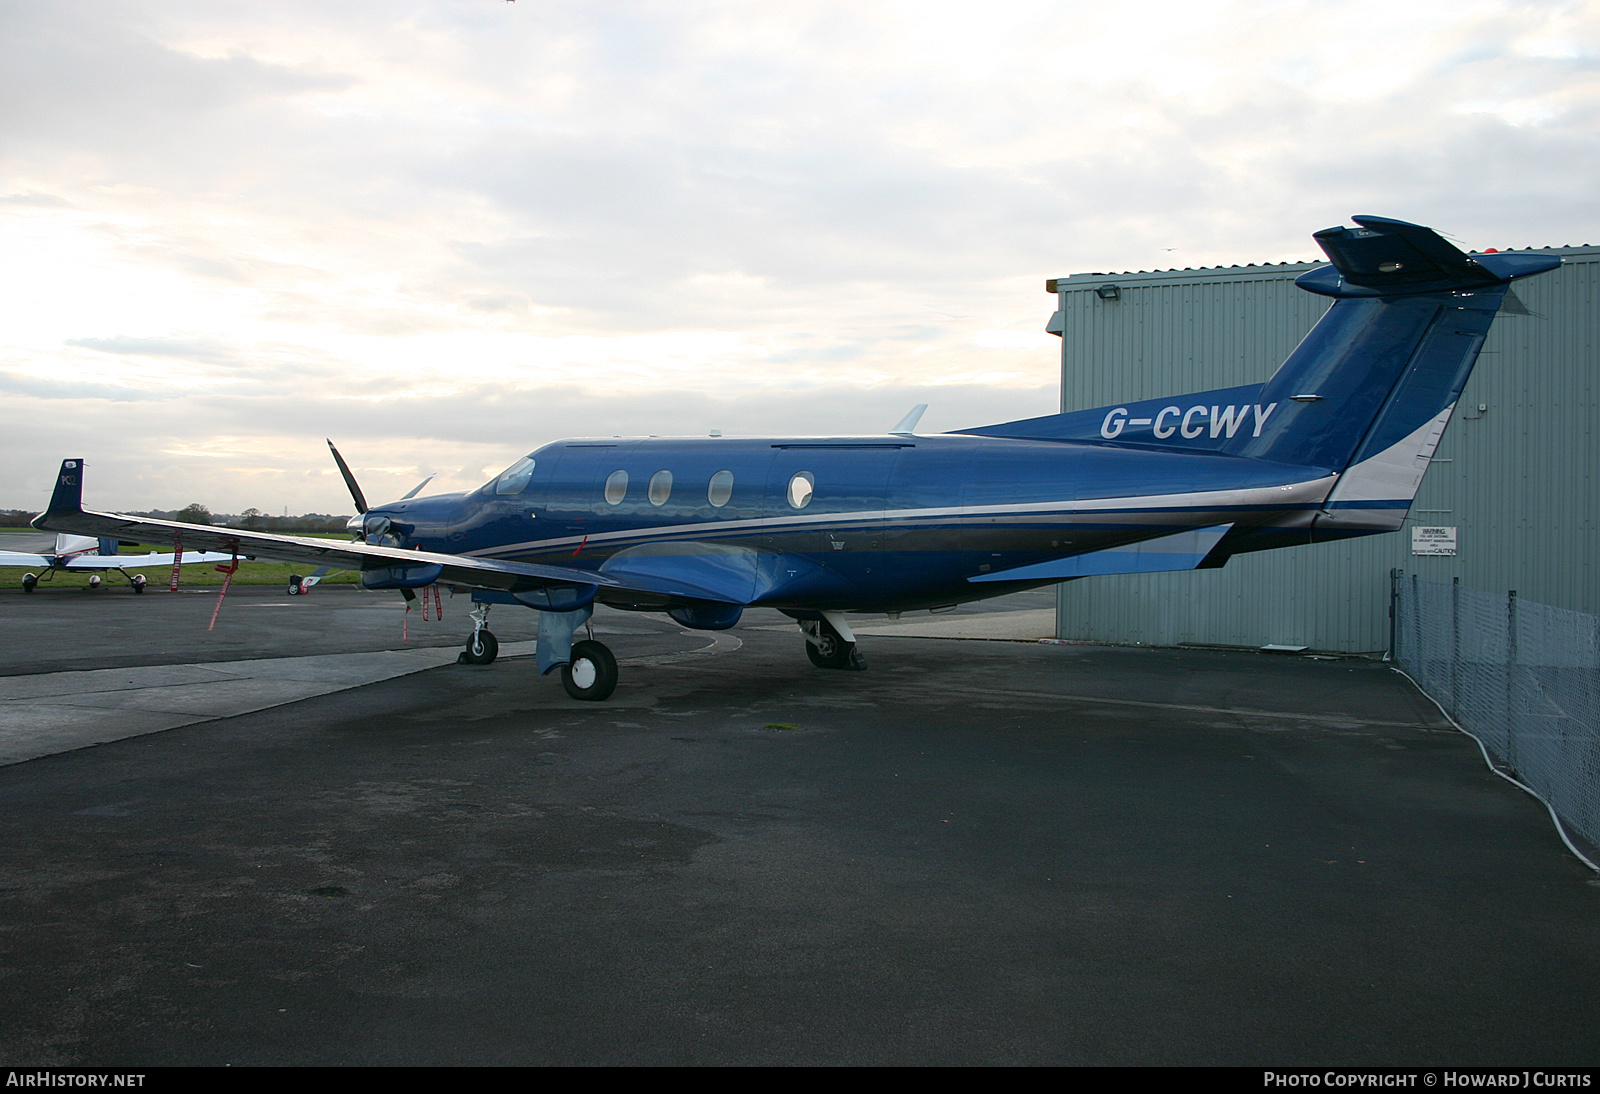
x: 829, y: 651
x: 29, y: 582
x: 138, y: 583
x: 294, y: 584
x: 482, y: 648
x: 592, y: 672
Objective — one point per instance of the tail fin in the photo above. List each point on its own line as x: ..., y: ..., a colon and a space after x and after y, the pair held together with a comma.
x: 67, y: 498
x: 1369, y: 391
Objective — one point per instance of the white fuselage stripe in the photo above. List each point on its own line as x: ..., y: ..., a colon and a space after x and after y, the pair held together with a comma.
x: 1296, y: 494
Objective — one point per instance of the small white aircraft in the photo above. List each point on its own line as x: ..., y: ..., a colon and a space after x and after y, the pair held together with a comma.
x: 80, y: 553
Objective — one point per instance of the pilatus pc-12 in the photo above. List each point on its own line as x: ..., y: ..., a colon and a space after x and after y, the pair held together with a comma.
x: 1333, y: 445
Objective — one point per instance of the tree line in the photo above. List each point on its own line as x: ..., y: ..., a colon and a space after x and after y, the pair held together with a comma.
x: 196, y: 513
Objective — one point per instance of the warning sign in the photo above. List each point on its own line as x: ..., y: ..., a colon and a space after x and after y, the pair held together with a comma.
x: 1433, y: 541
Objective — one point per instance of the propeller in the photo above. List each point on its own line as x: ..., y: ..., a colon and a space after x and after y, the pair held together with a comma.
x: 349, y: 480
x: 358, y: 526
x: 417, y: 489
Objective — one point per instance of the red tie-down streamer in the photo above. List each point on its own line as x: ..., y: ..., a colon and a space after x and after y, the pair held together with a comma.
x: 229, y: 570
x: 438, y: 611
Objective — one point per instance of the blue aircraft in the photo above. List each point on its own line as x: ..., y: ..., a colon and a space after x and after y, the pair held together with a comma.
x: 1333, y: 445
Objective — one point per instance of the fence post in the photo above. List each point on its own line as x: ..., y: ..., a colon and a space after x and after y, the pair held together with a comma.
x: 1420, y: 661
x: 1511, y: 678
x: 1394, y: 600
x: 1455, y: 648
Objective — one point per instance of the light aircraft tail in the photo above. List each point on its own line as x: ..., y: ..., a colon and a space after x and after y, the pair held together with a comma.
x: 1366, y: 395
x: 68, y: 545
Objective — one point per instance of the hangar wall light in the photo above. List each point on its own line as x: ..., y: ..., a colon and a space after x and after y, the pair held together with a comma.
x: 1108, y: 291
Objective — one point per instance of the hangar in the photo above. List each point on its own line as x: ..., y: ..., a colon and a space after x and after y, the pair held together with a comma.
x: 1512, y: 490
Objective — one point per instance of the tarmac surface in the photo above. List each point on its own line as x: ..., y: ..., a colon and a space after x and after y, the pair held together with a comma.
x: 974, y: 852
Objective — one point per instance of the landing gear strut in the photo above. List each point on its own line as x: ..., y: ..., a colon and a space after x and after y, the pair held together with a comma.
x: 830, y: 645
x: 482, y: 647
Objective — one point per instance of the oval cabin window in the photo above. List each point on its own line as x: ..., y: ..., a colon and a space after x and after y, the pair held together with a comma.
x: 660, y: 487
x: 616, y: 487
x: 801, y: 488
x: 721, y: 489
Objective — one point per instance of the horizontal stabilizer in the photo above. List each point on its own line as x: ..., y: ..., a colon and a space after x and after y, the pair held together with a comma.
x: 1384, y: 257
x: 1182, y: 551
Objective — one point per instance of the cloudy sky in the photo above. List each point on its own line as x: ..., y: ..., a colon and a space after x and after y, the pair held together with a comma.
x: 443, y: 233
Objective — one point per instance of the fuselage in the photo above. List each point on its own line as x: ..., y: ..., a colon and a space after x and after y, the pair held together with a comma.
x: 866, y: 523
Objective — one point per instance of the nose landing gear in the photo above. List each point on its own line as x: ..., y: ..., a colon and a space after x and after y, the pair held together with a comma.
x: 482, y: 646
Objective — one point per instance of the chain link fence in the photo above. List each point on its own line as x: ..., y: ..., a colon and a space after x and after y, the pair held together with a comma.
x: 1523, y: 678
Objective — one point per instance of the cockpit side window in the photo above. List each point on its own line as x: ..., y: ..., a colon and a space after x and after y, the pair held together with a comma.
x: 515, y: 478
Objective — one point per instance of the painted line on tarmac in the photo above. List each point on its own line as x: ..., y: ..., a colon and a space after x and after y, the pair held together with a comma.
x: 1343, y: 721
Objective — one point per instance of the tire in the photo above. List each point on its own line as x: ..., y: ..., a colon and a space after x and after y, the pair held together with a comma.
x: 29, y: 582
x: 591, y: 675
x: 482, y: 649
x: 833, y: 652
x: 138, y: 583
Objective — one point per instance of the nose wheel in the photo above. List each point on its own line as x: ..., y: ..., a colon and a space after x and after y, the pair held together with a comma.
x: 482, y: 647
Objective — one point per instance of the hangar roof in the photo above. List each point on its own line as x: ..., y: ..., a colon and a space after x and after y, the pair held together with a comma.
x: 1264, y: 271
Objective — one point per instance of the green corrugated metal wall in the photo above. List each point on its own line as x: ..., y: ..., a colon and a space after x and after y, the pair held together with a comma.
x: 1517, y: 481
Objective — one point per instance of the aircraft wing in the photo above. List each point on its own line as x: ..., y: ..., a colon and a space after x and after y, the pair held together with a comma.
x: 66, y: 514
x: 139, y: 562
x: 17, y: 558
x: 106, y: 562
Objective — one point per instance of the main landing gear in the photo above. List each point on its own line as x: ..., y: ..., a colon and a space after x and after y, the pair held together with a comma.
x: 830, y: 643
x: 592, y: 672
x: 588, y: 668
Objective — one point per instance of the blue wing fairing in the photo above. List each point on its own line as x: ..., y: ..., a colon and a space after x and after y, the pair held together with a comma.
x: 1332, y: 445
